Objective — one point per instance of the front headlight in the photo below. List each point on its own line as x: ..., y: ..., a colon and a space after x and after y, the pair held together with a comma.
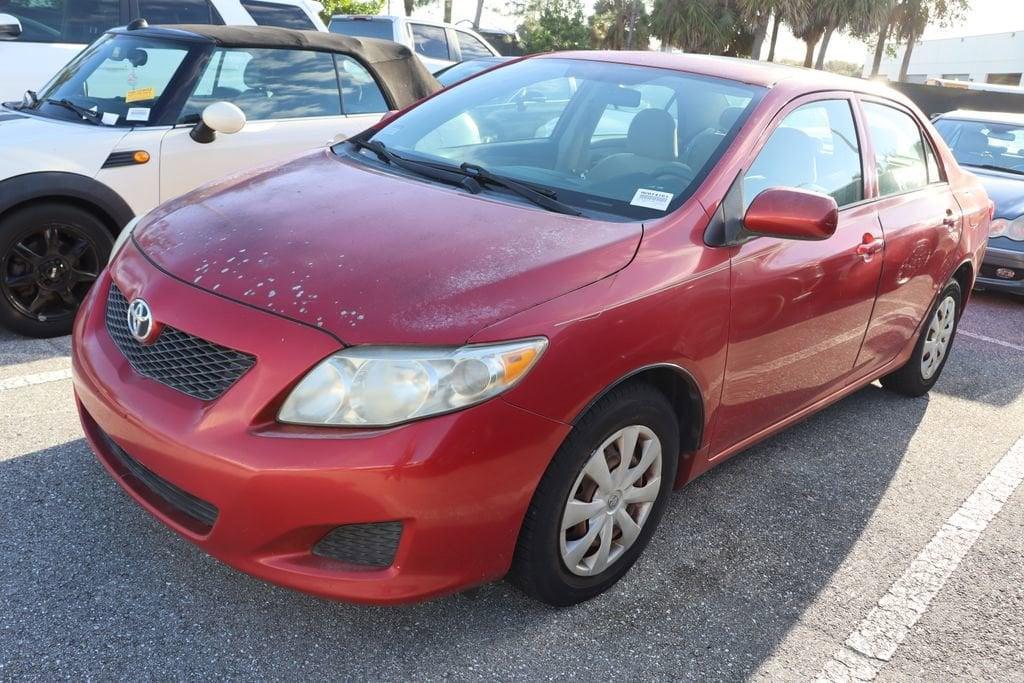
x: 1000, y: 227
x: 387, y: 385
x: 123, y: 237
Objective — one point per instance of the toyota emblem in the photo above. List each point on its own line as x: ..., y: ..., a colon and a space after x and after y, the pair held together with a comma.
x: 140, y: 321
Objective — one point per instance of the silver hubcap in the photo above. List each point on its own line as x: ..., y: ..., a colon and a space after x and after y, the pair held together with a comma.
x: 936, y: 341
x: 611, y: 500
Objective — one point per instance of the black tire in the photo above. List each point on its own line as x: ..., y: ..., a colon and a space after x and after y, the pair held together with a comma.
x: 50, y: 254
x: 910, y: 380
x: 537, y: 567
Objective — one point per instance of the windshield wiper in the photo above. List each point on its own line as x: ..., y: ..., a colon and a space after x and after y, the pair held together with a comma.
x: 426, y: 170
x: 86, y: 114
x: 546, y: 200
x: 993, y: 167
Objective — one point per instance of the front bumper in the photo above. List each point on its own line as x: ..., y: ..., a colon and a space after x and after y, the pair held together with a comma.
x: 459, y: 484
x: 996, y: 258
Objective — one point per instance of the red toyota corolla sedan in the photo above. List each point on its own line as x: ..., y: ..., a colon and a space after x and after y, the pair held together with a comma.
x: 490, y: 335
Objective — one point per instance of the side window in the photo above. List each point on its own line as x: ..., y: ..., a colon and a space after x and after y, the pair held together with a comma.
x: 360, y: 94
x: 179, y: 12
x: 268, y: 84
x: 814, y: 148
x: 899, y: 150
x: 471, y: 47
x: 934, y: 170
x: 430, y: 41
x: 62, y: 21
x: 281, y: 16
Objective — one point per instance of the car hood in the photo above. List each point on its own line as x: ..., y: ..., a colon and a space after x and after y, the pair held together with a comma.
x: 30, y: 144
x: 374, y: 257
x: 1005, y: 189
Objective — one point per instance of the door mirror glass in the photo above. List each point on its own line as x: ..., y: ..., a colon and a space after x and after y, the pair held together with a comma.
x: 219, y: 117
x: 10, y: 27
x: 791, y: 213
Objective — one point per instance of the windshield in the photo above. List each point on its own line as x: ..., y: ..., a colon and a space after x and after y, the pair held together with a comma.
x: 120, y: 79
x: 451, y: 75
x: 363, y: 28
x: 979, y: 143
x: 626, y: 141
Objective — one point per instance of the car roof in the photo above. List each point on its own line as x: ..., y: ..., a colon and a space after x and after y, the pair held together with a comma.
x: 984, y: 116
x: 765, y: 74
x: 397, y: 69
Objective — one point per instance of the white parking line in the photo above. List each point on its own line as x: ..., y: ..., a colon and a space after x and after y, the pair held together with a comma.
x: 20, y: 381
x: 990, y: 340
x: 876, y: 639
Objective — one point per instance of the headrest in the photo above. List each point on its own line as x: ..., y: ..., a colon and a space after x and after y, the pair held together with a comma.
x: 728, y: 117
x: 652, y: 134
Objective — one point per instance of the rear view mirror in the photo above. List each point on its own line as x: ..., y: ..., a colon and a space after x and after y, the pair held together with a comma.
x: 10, y: 27
x: 219, y: 117
x: 792, y: 213
x: 628, y: 98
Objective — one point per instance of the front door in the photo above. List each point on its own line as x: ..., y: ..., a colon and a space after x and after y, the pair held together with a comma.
x: 800, y: 309
x: 292, y: 103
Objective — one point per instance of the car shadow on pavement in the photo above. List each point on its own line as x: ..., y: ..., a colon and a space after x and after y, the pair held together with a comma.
x: 90, y: 583
x: 15, y: 349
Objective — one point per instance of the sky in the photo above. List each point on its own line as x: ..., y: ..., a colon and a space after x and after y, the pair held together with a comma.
x: 985, y: 16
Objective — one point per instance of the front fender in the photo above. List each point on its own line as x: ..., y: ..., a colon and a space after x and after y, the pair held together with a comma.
x: 61, y: 185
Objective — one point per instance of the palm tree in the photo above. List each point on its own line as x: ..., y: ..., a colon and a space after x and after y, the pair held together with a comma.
x: 479, y: 14
x: 857, y: 16
x: 690, y: 25
x: 447, y: 11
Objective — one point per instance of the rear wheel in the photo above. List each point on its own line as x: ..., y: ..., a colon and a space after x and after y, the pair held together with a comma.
x: 50, y: 254
x: 922, y: 371
x: 601, y: 498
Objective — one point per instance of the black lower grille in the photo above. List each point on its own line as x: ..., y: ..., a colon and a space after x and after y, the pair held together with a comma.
x: 368, y: 545
x: 182, y: 361
x: 196, y: 509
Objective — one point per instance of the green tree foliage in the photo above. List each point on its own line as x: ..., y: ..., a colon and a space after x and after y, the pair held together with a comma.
x: 620, y: 25
x: 552, y: 25
x: 710, y: 26
x: 332, y: 7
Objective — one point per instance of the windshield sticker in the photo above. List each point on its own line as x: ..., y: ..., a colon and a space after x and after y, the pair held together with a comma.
x: 110, y: 118
x: 140, y: 95
x: 652, y: 199
x: 137, y: 114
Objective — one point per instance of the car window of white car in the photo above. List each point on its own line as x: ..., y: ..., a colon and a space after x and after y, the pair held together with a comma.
x: 281, y: 16
x: 360, y: 94
x: 814, y: 148
x: 268, y: 84
x: 471, y: 47
x: 430, y: 41
x: 179, y: 12
x: 62, y: 21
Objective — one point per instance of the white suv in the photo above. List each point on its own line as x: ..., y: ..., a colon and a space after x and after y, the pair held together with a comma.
x: 438, y: 45
x: 41, y: 36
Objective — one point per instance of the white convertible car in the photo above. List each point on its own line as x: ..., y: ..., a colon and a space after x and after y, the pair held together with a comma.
x: 146, y: 114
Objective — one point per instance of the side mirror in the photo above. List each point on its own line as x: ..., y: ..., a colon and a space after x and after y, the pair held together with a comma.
x: 219, y: 117
x: 10, y: 27
x: 791, y: 213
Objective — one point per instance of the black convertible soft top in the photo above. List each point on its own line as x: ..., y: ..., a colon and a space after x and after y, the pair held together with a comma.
x: 398, y: 70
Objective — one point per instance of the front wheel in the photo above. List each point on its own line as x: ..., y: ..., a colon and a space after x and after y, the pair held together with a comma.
x: 922, y: 371
x: 600, y: 499
x: 50, y: 254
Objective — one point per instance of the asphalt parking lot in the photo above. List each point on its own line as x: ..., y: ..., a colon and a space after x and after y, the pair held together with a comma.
x: 769, y: 567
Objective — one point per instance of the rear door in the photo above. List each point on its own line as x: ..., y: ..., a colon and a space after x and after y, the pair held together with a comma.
x: 800, y: 308
x: 921, y: 222
x: 292, y: 103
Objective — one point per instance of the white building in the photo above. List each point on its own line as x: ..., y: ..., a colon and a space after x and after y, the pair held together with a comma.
x: 996, y: 58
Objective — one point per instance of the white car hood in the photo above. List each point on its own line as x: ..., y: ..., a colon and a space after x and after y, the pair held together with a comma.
x: 30, y: 144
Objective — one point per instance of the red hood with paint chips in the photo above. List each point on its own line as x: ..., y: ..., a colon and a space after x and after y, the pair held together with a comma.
x: 374, y: 257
